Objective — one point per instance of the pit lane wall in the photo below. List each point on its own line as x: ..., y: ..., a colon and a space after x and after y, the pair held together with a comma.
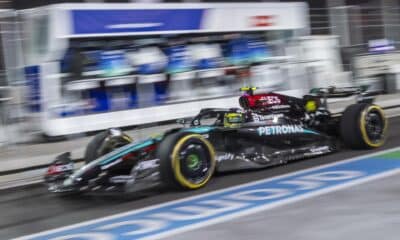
x: 96, y: 66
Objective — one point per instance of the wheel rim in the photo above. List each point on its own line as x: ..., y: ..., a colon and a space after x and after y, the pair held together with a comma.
x: 374, y: 126
x: 195, y: 162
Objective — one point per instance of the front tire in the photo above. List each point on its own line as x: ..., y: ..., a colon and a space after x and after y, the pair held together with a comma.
x: 187, y: 161
x: 103, y: 143
x: 363, y: 126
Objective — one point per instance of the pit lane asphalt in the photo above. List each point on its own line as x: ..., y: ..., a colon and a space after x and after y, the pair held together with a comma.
x: 32, y: 209
x: 363, y: 212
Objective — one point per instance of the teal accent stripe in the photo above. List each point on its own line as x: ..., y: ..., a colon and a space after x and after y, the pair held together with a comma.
x: 309, y: 131
x: 138, y: 146
x: 199, y: 129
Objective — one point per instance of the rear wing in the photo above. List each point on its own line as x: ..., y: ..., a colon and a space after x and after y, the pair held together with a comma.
x: 338, y: 92
x: 362, y: 92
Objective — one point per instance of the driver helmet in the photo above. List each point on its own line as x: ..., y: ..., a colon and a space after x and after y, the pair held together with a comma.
x: 233, y: 120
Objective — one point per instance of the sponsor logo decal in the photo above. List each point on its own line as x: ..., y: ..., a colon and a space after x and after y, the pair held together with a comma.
x: 205, y: 135
x: 278, y: 107
x: 320, y: 149
x: 261, y: 21
x: 258, y: 117
x: 148, y: 164
x: 134, y: 25
x: 226, y: 156
x: 121, y: 179
x: 270, y: 99
x: 60, y: 168
x: 105, y: 21
x: 281, y: 130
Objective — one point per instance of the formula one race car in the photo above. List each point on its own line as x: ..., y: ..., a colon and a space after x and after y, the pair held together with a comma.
x: 271, y: 129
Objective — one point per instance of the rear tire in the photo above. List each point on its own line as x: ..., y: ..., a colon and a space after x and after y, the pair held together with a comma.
x: 363, y: 126
x: 103, y: 143
x: 187, y: 161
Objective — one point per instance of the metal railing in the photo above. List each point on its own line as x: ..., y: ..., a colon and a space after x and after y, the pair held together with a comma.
x: 367, y: 23
x: 5, y: 98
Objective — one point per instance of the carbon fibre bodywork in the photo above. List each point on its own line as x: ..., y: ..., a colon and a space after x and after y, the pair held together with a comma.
x: 253, y: 145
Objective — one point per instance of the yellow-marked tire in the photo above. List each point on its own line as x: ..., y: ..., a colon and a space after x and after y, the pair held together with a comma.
x: 363, y: 126
x: 103, y: 143
x: 187, y: 161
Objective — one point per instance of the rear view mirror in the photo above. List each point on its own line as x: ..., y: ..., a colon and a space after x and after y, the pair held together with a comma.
x: 181, y: 121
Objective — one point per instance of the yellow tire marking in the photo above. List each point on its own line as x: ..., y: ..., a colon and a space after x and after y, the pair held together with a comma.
x: 127, y: 138
x: 364, y: 130
x: 176, y: 162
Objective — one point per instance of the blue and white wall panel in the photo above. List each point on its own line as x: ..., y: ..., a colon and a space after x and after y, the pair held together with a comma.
x: 84, y: 20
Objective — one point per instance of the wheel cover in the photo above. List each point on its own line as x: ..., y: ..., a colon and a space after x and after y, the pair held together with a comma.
x: 373, y: 126
x: 195, y: 162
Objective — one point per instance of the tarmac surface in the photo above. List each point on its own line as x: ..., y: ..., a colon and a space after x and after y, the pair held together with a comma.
x: 367, y: 211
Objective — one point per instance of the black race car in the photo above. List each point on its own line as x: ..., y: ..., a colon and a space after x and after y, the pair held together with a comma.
x: 270, y: 129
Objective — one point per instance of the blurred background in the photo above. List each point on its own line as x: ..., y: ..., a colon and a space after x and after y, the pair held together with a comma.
x: 69, y: 68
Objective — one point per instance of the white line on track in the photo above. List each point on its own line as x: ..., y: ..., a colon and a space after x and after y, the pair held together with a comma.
x: 221, y: 219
